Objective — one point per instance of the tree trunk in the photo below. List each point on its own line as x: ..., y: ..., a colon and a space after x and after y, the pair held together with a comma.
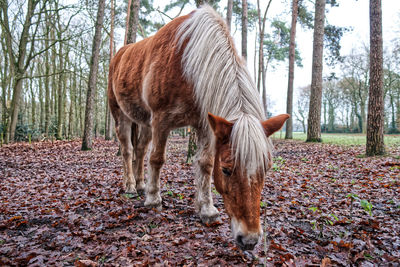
x: 331, y: 117
x: 375, y: 124
x: 54, y: 84
x: 261, y: 65
x: 314, y: 112
x: 108, y: 128
x: 244, y: 29
x: 132, y: 21
x: 72, y: 107
x: 33, y: 101
x: 41, y: 103
x: 229, y: 14
x: 398, y: 111
x: 47, y: 80
x: 91, y: 92
x: 17, y: 93
x: 60, y: 102
x: 292, y: 48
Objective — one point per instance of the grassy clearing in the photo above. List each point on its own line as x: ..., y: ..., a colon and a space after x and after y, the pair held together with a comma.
x: 342, y: 139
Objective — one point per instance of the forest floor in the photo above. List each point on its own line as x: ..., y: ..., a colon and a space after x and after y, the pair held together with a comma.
x: 321, y: 204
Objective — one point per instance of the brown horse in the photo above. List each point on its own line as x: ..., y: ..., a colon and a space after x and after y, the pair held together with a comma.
x: 183, y: 75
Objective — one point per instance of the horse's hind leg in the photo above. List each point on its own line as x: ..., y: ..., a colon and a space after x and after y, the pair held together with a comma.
x: 123, y: 131
x: 203, y: 163
x: 142, y: 141
x: 157, y: 157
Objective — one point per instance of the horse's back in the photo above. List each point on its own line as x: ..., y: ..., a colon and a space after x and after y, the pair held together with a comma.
x: 146, y: 78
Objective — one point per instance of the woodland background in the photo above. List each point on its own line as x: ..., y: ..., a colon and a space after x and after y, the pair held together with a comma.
x: 47, y: 48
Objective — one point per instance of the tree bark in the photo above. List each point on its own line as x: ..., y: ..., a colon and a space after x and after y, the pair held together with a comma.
x: 292, y: 48
x: 314, y: 112
x: 108, y: 128
x: 47, y: 80
x: 91, y: 92
x: 229, y: 9
x: 132, y: 21
x: 244, y: 29
x: 60, y: 102
x: 375, y: 121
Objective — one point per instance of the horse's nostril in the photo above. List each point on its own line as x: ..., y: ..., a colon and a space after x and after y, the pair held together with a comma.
x: 246, y: 242
x: 239, y: 240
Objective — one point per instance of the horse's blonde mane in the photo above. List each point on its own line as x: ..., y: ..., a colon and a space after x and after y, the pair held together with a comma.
x: 223, y: 85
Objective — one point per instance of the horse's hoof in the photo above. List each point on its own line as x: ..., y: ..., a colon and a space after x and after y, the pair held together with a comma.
x: 210, y: 219
x: 130, y: 189
x: 156, y: 206
x: 153, y: 201
x: 132, y: 193
x: 209, y: 214
x: 140, y: 188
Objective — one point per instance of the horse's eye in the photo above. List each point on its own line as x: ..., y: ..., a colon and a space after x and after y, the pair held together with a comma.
x: 226, y: 172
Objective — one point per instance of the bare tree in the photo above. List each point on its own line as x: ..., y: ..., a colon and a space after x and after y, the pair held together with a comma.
x: 292, y: 48
x: 375, y: 121
x: 303, y: 101
x: 314, y: 113
x: 20, y: 57
x: 94, y: 65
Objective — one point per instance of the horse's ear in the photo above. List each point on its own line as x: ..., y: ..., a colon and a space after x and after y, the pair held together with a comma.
x: 274, y: 124
x: 222, y: 128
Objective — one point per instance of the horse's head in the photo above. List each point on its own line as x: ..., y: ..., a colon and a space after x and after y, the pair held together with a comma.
x: 241, y: 194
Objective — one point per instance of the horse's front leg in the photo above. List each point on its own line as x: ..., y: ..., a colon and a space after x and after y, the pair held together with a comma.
x: 157, y: 159
x: 142, y: 141
x: 203, y: 163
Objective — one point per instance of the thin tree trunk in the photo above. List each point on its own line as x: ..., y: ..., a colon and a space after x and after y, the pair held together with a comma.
x: 132, y: 21
x: 41, y: 103
x: 244, y: 29
x: 314, y: 112
x: 47, y: 79
x: 108, y: 129
x: 60, y: 102
x: 292, y: 49
x: 261, y: 65
x: 72, y: 107
x: 375, y: 125
x: 229, y: 14
x: 54, y: 84
x: 94, y: 65
x: 33, y: 100
x: 4, y: 87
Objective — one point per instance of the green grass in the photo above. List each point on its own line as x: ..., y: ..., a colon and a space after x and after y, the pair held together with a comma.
x: 342, y: 139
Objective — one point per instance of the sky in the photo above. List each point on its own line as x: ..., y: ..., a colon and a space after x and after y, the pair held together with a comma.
x: 350, y: 13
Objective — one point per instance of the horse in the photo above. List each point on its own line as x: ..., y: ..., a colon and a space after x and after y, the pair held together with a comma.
x: 189, y: 73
